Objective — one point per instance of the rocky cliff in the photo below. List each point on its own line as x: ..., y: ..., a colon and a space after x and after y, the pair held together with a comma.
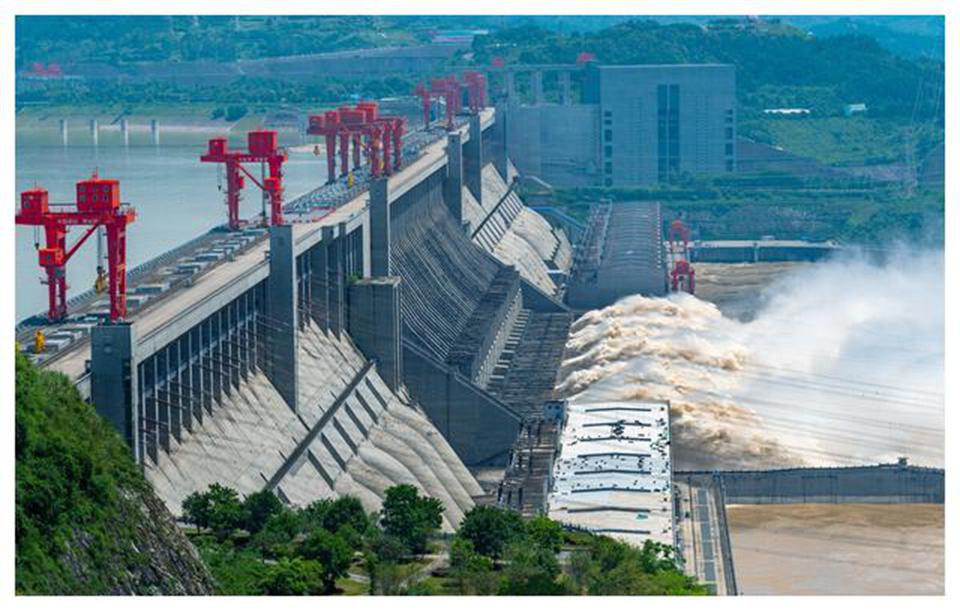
x: 87, y: 522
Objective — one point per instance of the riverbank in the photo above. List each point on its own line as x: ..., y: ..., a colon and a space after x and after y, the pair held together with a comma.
x: 179, y: 125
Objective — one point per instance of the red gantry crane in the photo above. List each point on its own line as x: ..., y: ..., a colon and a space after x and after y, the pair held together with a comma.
x: 476, y: 90
x: 448, y: 89
x: 682, y: 274
x: 98, y: 205
x: 261, y: 147
x: 378, y: 138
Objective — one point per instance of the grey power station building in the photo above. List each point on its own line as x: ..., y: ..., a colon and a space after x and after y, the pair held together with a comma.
x: 635, y: 125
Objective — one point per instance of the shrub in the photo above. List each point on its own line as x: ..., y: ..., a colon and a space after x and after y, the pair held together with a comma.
x: 294, y: 577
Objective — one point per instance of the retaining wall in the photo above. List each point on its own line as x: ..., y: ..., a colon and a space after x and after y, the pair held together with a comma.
x: 897, y: 483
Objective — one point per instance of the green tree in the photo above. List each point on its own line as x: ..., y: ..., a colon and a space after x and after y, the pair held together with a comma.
x: 656, y: 557
x: 196, y: 510
x: 260, y: 507
x: 579, y: 568
x: 409, y: 517
x: 490, y: 529
x: 344, y: 515
x: 386, y: 578
x: 296, y: 577
x: 629, y: 579
x: 218, y: 508
x: 276, y: 537
x: 531, y: 570
x: 227, y: 513
x: 346, y: 511
x: 330, y: 552
x: 387, y: 548
x: 473, y: 572
x: 545, y: 532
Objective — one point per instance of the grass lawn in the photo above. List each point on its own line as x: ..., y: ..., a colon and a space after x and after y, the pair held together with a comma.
x: 349, y: 587
x: 444, y: 586
x: 842, y: 141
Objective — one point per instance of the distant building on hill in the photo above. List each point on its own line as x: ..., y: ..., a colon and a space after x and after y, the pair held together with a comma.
x: 786, y: 111
x: 854, y: 109
x: 634, y: 125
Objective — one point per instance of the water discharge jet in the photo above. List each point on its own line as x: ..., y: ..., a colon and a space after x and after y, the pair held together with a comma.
x: 842, y: 364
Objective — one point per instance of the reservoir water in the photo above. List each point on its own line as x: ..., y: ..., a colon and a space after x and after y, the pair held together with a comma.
x: 176, y: 197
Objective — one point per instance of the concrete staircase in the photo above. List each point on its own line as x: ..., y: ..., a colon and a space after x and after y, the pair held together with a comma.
x: 509, y: 349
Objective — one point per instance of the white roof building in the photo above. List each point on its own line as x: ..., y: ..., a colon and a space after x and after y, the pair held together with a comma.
x: 786, y: 111
x: 613, y: 471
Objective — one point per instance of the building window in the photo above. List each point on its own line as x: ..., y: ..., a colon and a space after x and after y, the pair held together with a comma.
x: 729, y: 133
x: 668, y: 131
x: 608, y: 151
x: 608, y: 135
x: 729, y: 165
x: 729, y: 149
x: 608, y: 167
x: 608, y: 182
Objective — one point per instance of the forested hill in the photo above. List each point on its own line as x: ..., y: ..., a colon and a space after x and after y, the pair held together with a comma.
x: 155, y: 38
x: 86, y: 520
x: 777, y: 64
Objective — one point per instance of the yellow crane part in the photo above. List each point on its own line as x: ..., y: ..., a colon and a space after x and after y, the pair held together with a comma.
x: 350, y: 180
x: 39, y: 341
x: 100, y: 284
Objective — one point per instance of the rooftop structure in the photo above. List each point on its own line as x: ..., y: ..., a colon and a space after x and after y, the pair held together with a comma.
x: 613, y: 471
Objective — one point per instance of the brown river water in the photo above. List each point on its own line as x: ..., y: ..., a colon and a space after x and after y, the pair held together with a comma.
x: 838, y: 549
x: 823, y: 549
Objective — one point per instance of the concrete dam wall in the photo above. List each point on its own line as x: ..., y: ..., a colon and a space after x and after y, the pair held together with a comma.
x: 354, y: 436
x: 895, y: 483
x: 482, y: 337
x: 380, y: 345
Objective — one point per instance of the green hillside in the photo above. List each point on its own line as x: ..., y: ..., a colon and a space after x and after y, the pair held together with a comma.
x: 86, y: 520
x: 775, y: 62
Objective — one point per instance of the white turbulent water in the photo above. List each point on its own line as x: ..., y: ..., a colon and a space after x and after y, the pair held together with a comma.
x: 843, y: 364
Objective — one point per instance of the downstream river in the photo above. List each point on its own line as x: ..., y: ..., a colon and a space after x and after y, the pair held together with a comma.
x: 176, y: 197
x: 838, y: 549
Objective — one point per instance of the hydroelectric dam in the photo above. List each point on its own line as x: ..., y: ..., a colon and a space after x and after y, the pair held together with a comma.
x: 399, y: 337
x: 409, y: 328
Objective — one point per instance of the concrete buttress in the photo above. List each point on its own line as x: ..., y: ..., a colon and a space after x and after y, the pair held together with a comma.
x: 379, y: 229
x: 281, y: 324
x: 473, y: 160
x: 113, y: 381
x: 453, y: 183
